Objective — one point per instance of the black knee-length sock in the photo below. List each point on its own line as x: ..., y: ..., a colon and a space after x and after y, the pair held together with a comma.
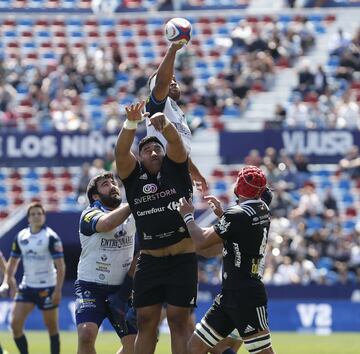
x: 55, y: 344
x: 22, y: 345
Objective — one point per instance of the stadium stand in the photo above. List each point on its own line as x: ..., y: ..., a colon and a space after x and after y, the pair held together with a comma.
x: 75, y: 74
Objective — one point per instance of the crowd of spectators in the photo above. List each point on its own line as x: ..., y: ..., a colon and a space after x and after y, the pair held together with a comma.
x: 327, y: 98
x: 58, y: 95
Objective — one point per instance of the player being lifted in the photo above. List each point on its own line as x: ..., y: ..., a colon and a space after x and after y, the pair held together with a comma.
x: 165, y: 91
x: 242, y: 304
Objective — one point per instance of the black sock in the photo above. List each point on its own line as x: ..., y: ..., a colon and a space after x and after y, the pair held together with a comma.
x: 22, y: 345
x: 228, y: 351
x: 55, y: 344
x: 1, y: 350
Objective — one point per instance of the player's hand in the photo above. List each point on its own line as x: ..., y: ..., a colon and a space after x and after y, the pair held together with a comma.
x: 199, y: 181
x: 159, y: 121
x: 186, y: 206
x: 215, y: 205
x: 56, y: 297
x: 178, y: 45
x: 135, y: 112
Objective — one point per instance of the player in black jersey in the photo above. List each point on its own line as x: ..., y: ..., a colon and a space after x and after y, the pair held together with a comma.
x: 242, y: 304
x: 166, y: 271
x: 165, y: 92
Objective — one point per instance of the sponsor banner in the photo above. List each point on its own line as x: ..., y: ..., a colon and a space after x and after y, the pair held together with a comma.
x: 320, y: 146
x: 316, y: 316
x: 55, y: 149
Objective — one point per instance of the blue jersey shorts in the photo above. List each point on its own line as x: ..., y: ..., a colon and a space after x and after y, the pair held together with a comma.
x: 92, y: 305
x: 41, y: 297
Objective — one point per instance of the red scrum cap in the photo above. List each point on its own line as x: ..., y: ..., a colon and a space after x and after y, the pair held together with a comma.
x: 250, y: 182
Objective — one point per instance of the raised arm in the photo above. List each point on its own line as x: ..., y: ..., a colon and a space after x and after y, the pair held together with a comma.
x: 165, y: 72
x: 125, y: 159
x: 109, y: 221
x: 175, y: 148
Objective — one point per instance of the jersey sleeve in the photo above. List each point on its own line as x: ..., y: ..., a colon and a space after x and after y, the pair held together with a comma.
x: 154, y: 106
x: 15, y: 248
x: 229, y: 225
x: 55, y: 246
x: 89, y: 220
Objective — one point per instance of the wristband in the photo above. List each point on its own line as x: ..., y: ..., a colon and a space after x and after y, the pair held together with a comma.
x: 188, y: 217
x: 131, y: 124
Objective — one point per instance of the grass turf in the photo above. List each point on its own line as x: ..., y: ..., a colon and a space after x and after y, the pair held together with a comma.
x: 284, y: 343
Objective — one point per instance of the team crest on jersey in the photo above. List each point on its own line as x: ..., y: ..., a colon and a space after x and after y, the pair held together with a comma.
x: 223, y: 225
x: 150, y: 188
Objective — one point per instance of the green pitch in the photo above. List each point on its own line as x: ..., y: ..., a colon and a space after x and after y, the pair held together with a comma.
x: 284, y: 343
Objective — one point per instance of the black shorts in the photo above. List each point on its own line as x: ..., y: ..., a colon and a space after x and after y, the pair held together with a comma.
x: 234, y: 309
x: 41, y: 297
x: 171, y: 280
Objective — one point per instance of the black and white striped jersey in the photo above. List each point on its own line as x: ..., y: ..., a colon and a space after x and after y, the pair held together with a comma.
x: 244, y: 229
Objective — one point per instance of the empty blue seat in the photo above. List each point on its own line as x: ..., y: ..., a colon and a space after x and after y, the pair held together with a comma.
x: 344, y: 184
x: 232, y: 111
x: 31, y: 175
x: 325, y: 262
x: 220, y: 186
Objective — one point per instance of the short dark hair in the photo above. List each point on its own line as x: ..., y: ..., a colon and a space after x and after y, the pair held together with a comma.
x: 34, y: 205
x: 149, y: 139
x: 92, y: 185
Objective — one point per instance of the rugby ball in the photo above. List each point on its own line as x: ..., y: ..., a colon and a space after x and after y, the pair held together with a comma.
x: 178, y: 29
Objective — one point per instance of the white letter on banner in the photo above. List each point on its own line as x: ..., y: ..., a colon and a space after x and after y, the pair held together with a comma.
x: 48, y: 146
x: 323, y: 316
x: 343, y: 140
x: 306, y: 313
x: 293, y: 142
x: 30, y: 146
x: 96, y: 144
x: 110, y: 143
x: 70, y: 145
x: 11, y: 148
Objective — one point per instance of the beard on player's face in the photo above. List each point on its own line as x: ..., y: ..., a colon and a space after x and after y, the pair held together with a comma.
x: 112, y: 200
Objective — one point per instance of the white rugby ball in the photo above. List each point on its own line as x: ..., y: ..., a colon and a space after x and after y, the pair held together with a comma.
x: 178, y: 29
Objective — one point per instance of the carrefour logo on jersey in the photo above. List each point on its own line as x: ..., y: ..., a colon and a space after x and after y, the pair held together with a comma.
x: 150, y: 188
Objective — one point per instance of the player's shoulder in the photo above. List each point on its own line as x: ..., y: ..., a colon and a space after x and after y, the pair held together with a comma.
x: 22, y: 233
x: 89, y: 212
x: 252, y: 207
x: 50, y: 232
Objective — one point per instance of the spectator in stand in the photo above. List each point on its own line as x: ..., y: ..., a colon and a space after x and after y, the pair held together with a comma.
x: 320, y: 81
x: 83, y: 182
x: 348, y: 113
x: 309, y: 202
x: 306, y: 78
x: 351, y: 162
x: 253, y: 158
x: 282, y: 201
x: 97, y: 167
x: 330, y: 201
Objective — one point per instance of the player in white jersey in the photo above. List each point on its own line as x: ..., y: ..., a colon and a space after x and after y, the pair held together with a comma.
x: 165, y: 91
x: 104, y: 283
x: 41, y: 251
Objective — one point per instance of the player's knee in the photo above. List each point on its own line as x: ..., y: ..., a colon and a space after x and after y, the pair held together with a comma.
x: 87, y: 335
x: 16, y: 327
x: 148, y: 323
x: 178, y: 322
x: 260, y: 344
